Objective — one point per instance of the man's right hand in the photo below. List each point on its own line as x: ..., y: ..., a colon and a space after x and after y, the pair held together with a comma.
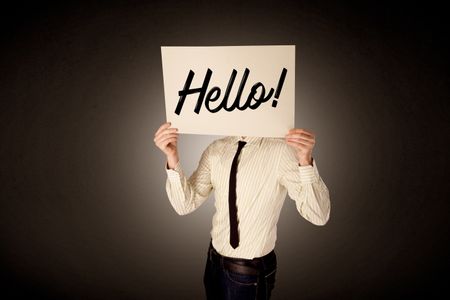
x: 166, y: 140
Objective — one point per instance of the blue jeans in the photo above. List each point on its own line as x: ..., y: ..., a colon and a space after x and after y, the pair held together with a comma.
x: 223, y: 284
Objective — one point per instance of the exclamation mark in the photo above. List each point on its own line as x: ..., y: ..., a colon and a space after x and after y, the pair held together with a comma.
x: 279, y: 87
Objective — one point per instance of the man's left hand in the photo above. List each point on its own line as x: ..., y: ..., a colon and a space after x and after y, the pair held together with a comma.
x: 303, y: 141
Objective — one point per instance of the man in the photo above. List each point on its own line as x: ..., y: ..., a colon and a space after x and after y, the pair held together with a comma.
x: 250, y: 177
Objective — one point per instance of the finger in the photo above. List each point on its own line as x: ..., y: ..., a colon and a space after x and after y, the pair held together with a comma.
x: 168, y: 141
x: 165, y: 136
x: 162, y: 127
x: 301, y: 140
x: 166, y: 131
x: 309, y: 145
x: 301, y: 130
x: 161, y: 139
x: 301, y: 136
x: 300, y: 145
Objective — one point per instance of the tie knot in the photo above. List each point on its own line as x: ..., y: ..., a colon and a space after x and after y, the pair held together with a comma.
x: 241, y: 144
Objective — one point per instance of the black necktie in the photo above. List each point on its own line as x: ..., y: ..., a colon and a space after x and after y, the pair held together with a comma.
x: 232, y: 208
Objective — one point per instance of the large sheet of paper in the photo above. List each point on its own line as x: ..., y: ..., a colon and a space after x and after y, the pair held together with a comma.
x: 231, y: 90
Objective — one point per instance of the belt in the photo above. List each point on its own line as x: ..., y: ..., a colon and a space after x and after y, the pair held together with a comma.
x: 240, y: 265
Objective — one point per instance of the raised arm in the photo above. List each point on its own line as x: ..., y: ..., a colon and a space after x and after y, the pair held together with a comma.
x: 185, y: 195
x: 298, y: 172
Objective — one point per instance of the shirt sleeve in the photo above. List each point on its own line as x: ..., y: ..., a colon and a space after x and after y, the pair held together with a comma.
x: 186, y: 195
x: 305, y: 187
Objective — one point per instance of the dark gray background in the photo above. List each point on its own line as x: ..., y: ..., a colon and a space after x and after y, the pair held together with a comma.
x: 84, y: 214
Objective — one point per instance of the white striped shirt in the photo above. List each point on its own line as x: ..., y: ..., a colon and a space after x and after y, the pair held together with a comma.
x: 268, y: 169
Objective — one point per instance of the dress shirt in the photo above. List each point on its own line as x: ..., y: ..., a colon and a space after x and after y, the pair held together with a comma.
x: 268, y: 170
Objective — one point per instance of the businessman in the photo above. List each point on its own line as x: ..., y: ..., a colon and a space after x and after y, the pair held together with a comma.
x: 250, y: 177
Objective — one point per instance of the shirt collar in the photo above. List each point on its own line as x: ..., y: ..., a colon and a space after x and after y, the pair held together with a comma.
x: 251, y: 140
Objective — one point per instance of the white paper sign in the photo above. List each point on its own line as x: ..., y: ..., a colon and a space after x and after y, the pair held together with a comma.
x: 232, y: 90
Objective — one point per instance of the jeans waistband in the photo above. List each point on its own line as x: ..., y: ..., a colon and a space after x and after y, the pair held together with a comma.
x: 263, y: 262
